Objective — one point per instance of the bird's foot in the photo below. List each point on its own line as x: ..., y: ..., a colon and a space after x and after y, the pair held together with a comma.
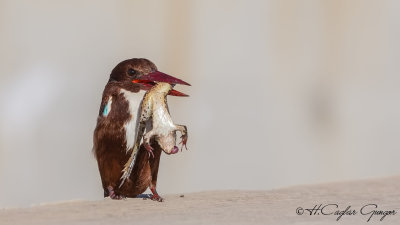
x: 149, y: 149
x: 155, y: 196
x: 116, y: 197
x: 113, y: 195
x: 183, y: 141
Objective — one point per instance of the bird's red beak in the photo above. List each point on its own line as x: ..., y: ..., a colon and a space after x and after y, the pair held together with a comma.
x: 149, y: 80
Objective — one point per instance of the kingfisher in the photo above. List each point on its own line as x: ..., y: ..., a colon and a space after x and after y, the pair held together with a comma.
x: 117, y: 123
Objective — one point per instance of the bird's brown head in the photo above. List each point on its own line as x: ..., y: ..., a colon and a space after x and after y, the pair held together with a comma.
x: 141, y: 74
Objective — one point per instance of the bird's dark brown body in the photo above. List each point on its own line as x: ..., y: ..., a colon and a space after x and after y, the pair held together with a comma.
x: 111, y: 136
x: 114, y: 135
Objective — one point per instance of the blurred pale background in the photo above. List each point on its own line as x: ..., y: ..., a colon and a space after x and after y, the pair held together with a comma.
x: 284, y: 92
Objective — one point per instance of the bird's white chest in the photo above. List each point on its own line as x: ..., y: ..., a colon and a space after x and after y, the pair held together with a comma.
x: 131, y: 126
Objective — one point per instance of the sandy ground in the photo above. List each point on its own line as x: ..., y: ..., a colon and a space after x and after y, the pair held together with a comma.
x: 228, y: 207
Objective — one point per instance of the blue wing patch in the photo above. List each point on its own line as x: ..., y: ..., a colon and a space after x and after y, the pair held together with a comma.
x: 107, y: 108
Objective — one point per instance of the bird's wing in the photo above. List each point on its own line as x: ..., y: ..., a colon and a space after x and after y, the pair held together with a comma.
x: 129, y: 164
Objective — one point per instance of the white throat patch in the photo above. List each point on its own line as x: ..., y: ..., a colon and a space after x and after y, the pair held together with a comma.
x: 131, y: 126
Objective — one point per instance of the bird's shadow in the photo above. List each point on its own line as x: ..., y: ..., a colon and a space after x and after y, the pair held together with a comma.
x: 144, y: 196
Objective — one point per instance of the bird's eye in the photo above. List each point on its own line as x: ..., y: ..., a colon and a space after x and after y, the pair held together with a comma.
x: 131, y: 72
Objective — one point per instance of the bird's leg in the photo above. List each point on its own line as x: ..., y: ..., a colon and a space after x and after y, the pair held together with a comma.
x: 154, y: 165
x: 146, y: 142
x: 112, y: 194
x: 184, y: 136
